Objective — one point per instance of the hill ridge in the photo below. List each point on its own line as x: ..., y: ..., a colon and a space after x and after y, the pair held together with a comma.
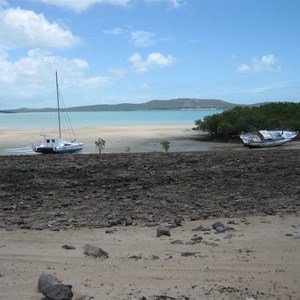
x: 177, y: 103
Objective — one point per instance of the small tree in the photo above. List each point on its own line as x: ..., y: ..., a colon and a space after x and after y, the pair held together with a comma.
x: 165, y: 145
x: 100, y: 144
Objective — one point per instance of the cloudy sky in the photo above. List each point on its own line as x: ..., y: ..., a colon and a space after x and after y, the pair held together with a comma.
x: 115, y: 51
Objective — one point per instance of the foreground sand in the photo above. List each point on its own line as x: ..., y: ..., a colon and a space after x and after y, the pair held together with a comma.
x: 260, y: 260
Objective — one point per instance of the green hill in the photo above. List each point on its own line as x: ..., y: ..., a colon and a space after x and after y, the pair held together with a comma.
x: 180, y: 103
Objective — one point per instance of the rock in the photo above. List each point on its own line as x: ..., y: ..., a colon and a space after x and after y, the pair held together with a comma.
x: 128, y: 222
x: 163, y: 230
x: 177, y: 242
x: 228, y: 228
x: 115, y: 222
x: 58, y: 292
x: 177, y: 221
x: 191, y: 254
x: 229, y: 236
x: 46, y: 280
x: 91, y: 250
x: 40, y: 227
x: 197, y: 239
x: 68, y: 247
x: 198, y: 228
x: 269, y: 211
x: 218, y: 226
x: 25, y: 226
x: 214, y: 244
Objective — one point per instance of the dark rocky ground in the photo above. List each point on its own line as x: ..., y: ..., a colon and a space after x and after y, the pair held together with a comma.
x: 76, y: 191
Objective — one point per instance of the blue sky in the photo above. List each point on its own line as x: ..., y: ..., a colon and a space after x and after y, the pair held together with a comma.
x: 116, y: 51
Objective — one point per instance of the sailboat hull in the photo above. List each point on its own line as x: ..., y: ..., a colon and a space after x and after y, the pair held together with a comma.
x: 71, y: 148
x: 43, y: 150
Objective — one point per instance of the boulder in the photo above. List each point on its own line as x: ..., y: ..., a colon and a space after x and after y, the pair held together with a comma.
x: 46, y: 280
x: 58, y: 292
x: 94, y: 251
x: 177, y: 221
x: 163, y: 230
x: 219, y: 227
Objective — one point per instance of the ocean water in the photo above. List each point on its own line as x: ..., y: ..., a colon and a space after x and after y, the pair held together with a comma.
x: 48, y: 120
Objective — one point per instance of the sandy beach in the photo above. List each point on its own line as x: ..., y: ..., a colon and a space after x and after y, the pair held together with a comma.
x: 118, y: 139
x: 260, y: 260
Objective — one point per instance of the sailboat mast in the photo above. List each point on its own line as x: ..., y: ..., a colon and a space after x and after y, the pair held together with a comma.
x: 58, y: 108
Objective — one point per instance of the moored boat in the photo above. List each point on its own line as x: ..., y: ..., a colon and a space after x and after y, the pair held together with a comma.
x: 267, y: 138
x: 57, y: 145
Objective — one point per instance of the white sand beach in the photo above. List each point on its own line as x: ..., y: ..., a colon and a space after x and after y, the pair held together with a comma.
x: 117, y: 138
x: 259, y: 260
x: 123, y: 138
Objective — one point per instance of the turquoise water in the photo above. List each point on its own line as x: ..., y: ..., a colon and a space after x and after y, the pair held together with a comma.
x: 103, y: 118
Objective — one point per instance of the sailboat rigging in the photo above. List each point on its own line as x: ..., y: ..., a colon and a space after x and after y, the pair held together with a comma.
x: 58, y: 144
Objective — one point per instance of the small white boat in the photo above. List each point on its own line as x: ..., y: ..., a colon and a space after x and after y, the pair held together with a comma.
x: 57, y: 144
x: 267, y: 138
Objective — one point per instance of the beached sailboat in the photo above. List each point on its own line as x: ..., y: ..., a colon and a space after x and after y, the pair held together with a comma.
x: 58, y: 144
x: 267, y: 138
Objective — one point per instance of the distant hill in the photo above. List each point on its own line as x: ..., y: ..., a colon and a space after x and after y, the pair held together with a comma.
x: 180, y: 103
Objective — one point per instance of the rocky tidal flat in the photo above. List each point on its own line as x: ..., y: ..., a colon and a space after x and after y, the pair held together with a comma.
x: 93, y: 191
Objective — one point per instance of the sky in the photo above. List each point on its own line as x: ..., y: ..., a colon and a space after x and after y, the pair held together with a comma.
x: 134, y: 51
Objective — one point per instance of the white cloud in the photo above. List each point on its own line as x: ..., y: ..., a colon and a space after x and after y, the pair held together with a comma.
x: 153, y: 60
x: 31, y: 79
x: 114, y: 31
x: 96, y: 81
x: 173, y: 3
x: 37, y: 65
x: 82, y: 5
x: 139, y: 38
x: 244, y: 68
x: 19, y: 27
x: 176, y: 3
x: 142, y: 38
x: 266, y: 63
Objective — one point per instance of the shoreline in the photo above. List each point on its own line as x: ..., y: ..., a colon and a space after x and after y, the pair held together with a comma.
x: 118, y: 139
